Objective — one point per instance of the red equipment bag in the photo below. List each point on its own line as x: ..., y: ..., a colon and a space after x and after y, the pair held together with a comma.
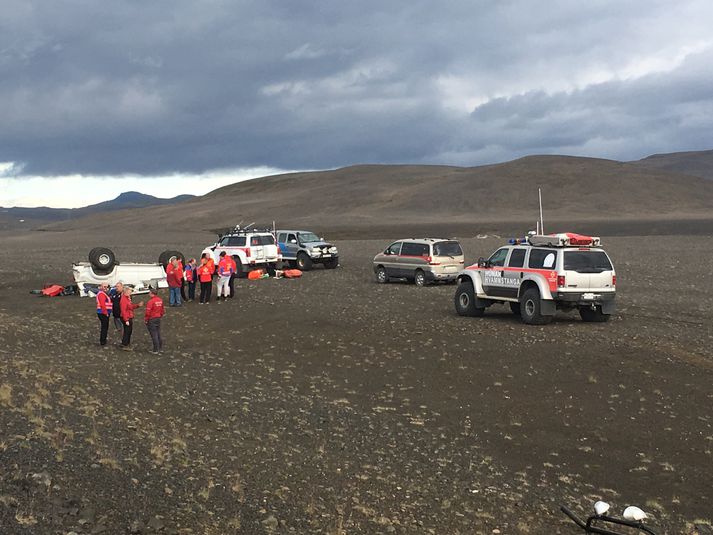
x: 292, y: 273
x: 53, y: 291
x: 255, y: 274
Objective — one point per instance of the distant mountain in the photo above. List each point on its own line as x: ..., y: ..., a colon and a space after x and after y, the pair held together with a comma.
x: 693, y: 163
x: 366, y: 199
x: 130, y: 199
x: 23, y: 217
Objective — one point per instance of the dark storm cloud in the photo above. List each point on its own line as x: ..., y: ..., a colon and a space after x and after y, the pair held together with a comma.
x: 155, y: 87
x: 618, y: 119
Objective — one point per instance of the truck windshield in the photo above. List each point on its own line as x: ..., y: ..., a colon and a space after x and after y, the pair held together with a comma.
x: 308, y: 237
x: 447, y: 248
x: 586, y: 261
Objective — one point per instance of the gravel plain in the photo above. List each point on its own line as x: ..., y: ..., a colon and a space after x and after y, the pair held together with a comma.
x: 331, y: 404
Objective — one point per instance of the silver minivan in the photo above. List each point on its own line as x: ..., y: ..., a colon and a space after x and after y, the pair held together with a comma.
x: 422, y: 261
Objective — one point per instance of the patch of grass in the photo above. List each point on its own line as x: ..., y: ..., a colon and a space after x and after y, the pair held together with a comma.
x: 205, y: 492
x: 110, y: 462
x: 25, y: 520
x: 653, y: 504
x: 6, y: 395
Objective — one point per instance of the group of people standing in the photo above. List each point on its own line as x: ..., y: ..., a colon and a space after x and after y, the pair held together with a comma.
x: 116, y: 302
x: 180, y: 278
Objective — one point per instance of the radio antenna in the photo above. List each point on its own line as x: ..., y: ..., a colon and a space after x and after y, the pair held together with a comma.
x: 542, y: 224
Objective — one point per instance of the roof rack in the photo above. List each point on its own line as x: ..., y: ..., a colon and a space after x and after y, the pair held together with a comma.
x: 563, y: 239
x: 249, y: 230
x: 237, y: 229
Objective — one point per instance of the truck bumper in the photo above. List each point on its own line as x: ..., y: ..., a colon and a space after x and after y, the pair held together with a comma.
x: 433, y: 277
x: 606, y: 300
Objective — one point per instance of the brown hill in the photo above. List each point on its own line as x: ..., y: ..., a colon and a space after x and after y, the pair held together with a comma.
x: 694, y: 163
x: 371, y: 197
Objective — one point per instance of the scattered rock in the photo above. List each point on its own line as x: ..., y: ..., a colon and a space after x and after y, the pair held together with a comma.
x: 156, y: 524
x: 270, y: 523
x: 136, y: 527
x: 43, y: 478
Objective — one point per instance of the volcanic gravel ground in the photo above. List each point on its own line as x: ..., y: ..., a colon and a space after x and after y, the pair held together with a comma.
x: 331, y: 404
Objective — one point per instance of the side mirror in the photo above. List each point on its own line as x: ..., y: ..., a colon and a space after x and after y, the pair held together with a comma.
x: 481, y: 262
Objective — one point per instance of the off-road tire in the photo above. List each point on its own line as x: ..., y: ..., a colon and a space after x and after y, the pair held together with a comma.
x: 102, y: 259
x: 515, y: 308
x: 304, y: 262
x: 530, y: 308
x: 165, y: 257
x: 464, y: 300
x: 419, y: 278
x: 331, y: 263
x: 381, y: 276
x: 240, y: 271
x: 593, y: 316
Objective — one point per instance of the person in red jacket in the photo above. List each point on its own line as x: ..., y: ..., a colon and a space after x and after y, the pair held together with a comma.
x: 205, y: 276
x: 174, y: 278
x: 152, y: 318
x: 127, y: 316
x: 104, y: 308
x: 190, y: 276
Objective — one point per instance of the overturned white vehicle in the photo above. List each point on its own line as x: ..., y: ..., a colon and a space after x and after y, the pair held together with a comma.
x: 103, y: 267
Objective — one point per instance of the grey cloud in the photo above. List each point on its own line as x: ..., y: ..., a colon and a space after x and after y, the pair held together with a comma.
x: 189, y: 86
x: 622, y: 119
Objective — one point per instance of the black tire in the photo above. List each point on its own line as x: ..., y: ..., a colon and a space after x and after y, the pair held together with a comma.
x: 240, y: 271
x: 304, y: 262
x: 102, y: 259
x: 165, y: 257
x: 530, y: 308
x: 515, y: 308
x: 332, y: 263
x: 464, y: 300
x: 593, y: 315
x: 419, y: 278
x: 381, y: 276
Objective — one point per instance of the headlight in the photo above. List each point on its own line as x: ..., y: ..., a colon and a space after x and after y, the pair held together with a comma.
x: 333, y: 250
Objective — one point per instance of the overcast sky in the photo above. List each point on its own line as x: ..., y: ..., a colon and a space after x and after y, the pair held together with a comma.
x: 181, y: 96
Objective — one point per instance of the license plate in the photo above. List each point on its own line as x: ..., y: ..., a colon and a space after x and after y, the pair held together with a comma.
x: 588, y: 296
x: 326, y: 255
x: 450, y: 269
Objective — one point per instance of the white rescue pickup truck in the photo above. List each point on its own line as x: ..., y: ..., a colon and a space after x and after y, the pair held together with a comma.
x: 540, y: 274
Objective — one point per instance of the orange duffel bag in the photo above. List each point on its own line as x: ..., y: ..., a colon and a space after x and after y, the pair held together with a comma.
x: 292, y: 273
x: 255, y: 274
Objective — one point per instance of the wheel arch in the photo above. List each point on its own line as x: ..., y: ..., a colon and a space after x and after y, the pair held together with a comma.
x: 471, y: 276
x: 535, y: 281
